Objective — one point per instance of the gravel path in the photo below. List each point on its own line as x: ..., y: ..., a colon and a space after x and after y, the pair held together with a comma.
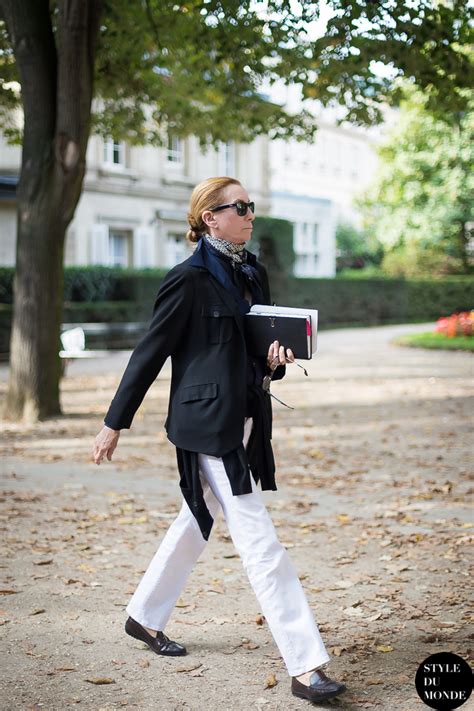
x: 374, y: 504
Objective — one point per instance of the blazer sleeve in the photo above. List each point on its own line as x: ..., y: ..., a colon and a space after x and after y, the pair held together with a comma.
x: 171, y: 312
x: 279, y: 372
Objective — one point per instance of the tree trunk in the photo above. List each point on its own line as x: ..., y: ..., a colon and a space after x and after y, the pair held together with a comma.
x: 56, y: 73
x: 33, y: 391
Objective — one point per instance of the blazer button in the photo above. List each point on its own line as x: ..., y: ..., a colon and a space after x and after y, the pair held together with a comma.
x: 215, y: 313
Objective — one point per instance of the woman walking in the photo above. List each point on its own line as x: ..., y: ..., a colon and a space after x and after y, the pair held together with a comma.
x: 219, y: 418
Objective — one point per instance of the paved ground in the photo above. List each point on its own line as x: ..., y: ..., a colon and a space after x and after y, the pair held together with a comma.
x: 373, y: 503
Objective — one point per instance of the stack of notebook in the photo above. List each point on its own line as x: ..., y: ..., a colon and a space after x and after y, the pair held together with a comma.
x: 293, y: 328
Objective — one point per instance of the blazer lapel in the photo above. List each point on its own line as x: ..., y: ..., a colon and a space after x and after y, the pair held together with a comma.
x: 196, y: 260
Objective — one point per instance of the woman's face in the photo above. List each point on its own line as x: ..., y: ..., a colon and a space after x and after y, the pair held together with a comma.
x: 227, y: 224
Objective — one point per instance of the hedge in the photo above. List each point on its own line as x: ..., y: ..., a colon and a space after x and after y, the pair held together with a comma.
x: 114, y: 295
x: 377, y: 301
x: 272, y: 240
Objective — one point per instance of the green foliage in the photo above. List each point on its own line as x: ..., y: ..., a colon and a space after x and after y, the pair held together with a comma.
x: 6, y: 285
x: 197, y: 67
x: 414, y: 259
x: 99, y: 283
x: 420, y: 205
x: 357, y: 249
x: 366, y: 302
x: 107, y: 311
x: 436, y: 341
x: 427, y: 43
x: 272, y: 239
x: 341, y: 301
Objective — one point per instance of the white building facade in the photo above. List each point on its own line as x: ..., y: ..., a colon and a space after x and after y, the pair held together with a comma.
x: 133, y: 208
x: 314, y: 186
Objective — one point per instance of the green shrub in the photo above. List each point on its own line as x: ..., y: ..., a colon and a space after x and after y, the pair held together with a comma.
x: 272, y: 239
x: 107, y: 312
x: 110, y: 283
x: 377, y: 301
x: 6, y: 285
x: 112, y: 295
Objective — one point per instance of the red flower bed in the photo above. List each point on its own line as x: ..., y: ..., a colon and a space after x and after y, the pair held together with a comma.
x: 461, y: 324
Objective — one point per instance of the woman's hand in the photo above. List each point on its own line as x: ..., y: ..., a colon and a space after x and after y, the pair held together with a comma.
x: 105, y: 444
x: 276, y: 355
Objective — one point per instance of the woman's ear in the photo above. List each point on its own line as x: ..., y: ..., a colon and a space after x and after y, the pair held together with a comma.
x: 209, y: 218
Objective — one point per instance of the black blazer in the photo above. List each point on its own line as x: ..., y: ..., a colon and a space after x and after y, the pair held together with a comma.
x: 197, y: 322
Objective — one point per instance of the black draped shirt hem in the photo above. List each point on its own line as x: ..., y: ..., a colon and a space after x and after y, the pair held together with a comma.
x: 257, y: 459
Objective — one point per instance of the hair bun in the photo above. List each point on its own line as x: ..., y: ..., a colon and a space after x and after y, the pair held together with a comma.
x: 192, y: 235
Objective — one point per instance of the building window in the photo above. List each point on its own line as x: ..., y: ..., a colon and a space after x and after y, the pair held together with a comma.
x: 306, y: 265
x: 120, y: 243
x: 176, y: 249
x: 175, y: 149
x: 306, y: 249
x: 226, y: 158
x: 354, y: 161
x: 114, y: 153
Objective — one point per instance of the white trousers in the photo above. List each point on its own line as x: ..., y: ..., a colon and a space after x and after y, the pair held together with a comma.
x: 266, y: 562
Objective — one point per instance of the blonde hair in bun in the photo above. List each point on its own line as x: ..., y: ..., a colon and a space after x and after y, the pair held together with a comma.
x: 205, y: 196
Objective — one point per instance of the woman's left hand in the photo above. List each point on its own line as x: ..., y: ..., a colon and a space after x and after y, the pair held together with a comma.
x: 276, y: 355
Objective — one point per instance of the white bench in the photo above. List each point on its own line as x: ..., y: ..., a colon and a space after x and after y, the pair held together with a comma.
x: 73, y: 342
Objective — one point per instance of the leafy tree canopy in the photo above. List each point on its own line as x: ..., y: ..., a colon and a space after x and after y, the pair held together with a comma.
x: 421, y: 200
x: 196, y: 66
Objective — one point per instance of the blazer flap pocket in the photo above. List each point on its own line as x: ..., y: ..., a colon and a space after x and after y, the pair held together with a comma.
x: 204, y: 391
x: 216, y: 310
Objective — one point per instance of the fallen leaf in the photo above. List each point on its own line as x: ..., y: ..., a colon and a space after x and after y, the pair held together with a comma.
x: 180, y: 603
x: 250, y: 645
x: 271, y: 681
x: 260, y: 619
x: 39, y: 611
x: 99, y: 680
x: 384, y: 648
x: 198, y: 672
x: 9, y: 592
x: 189, y: 668
x: 144, y: 663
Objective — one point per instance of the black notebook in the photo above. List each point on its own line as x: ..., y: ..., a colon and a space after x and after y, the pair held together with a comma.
x: 292, y: 331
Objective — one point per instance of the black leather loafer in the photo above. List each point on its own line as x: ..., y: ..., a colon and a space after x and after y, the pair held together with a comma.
x: 161, y: 644
x: 320, y: 688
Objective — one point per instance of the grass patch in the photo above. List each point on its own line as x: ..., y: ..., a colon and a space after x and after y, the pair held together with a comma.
x: 436, y: 340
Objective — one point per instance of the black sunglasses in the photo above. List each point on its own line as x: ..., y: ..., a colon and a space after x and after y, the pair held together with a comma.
x: 240, y: 206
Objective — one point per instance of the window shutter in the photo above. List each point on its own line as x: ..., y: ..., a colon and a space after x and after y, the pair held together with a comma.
x: 99, y: 243
x: 143, y: 248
